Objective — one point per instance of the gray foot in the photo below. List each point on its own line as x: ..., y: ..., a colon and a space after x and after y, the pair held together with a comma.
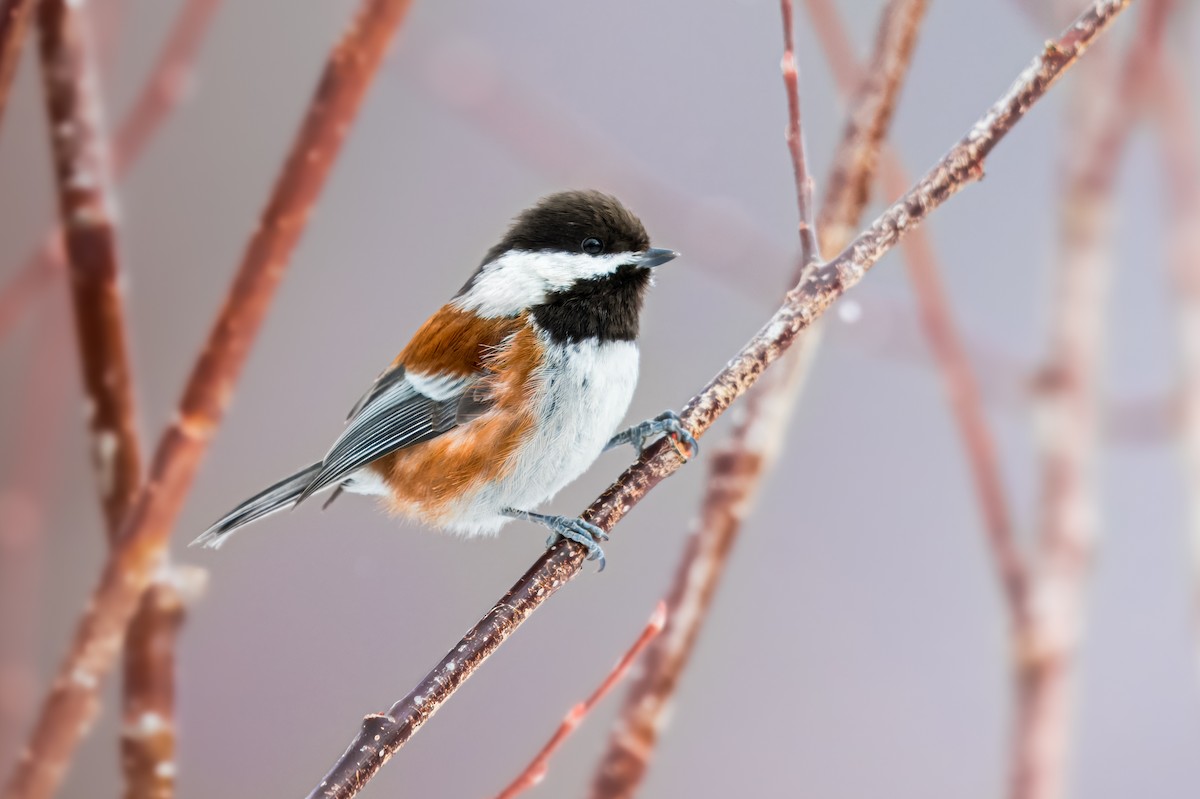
x: 666, y: 423
x: 583, y: 533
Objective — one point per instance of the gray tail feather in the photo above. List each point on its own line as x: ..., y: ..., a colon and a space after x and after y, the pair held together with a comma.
x: 264, y: 503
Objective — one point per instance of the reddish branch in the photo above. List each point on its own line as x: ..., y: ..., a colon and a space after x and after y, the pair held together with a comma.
x: 14, y: 21
x: 168, y: 83
x: 536, y: 771
x: 34, y: 436
x: 18, y: 294
x: 148, y: 734
x: 383, y: 734
x: 72, y: 702
x: 161, y: 94
x: 84, y: 190
x: 738, y: 468
x: 1103, y: 110
x: 966, y: 405
x: 86, y: 205
x: 809, y: 249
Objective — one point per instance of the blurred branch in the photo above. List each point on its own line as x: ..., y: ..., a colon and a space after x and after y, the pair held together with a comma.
x: 1103, y: 107
x: 72, y: 702
x: 382, y: 735
x: 87, y: 208
x: 535, y: 772
x: 738, y: 468
x: 1178, y: 132
x: 108, y: 21
x: 148, y: 731
x: 966, y: 405
x: 34, y: 433
x: 14, y: 21
x: 885, y: 327
x: 148, y: 734
x: 162, y: 93
x: 19, y: 292
x: 168, y: 83
x: 549, y: 139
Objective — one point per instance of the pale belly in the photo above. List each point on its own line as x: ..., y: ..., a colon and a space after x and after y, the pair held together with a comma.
x: 584, y: 392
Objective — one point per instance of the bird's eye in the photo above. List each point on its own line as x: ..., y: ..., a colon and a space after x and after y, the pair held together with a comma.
x: 592, y: 246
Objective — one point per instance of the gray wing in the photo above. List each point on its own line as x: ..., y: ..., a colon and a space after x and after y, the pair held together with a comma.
x: 393, y: 415
x: 386, y: 379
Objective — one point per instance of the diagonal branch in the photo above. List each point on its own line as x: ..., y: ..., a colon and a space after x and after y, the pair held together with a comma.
x: 535, y: 772
x: 737, y: 469
x: 168, y: 83
x: 383, y: 734
x: 14, y: 22
x: 72, y: 702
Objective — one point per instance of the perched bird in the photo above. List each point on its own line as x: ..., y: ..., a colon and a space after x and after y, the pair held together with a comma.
x: 510, y: 391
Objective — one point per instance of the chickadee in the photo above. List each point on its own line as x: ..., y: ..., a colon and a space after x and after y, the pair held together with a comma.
x: 510, y: 391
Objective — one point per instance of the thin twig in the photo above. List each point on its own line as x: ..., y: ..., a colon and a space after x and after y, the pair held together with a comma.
x: 382, y: 735
x: 72, y: 702
x: 161, y: 94
x: 14, y: 22
x: 810, y: 251
x: 1104, y: 107
x: 536, y: 771
x: 738, y: 468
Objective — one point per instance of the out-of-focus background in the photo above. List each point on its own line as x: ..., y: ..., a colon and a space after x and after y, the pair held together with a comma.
x: 858, y: 646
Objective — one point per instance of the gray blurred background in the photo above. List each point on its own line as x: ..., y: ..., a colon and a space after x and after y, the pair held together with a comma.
x: 858, y: 647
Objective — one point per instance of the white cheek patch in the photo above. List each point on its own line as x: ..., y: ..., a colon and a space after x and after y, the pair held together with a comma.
x: 519, y: 279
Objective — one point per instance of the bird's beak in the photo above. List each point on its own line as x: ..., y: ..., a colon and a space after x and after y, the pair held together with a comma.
x: 655, y: 257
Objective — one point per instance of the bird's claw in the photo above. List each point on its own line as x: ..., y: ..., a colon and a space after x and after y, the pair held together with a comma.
x: 666, y: 423
x: 583, y: 533
x: 681, y: 438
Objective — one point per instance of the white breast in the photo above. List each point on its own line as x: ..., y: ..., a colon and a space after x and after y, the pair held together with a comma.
x: 584, y: 390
